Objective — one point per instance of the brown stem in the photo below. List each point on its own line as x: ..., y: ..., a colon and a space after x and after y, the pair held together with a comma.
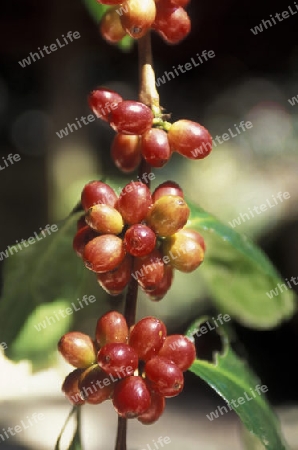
x: 148, y: 95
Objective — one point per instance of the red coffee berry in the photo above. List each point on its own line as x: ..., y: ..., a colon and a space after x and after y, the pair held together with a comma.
x: 182, y: 3
x: 190, y: 139
x: 70, y: 387
x: 165, y: 377
x: 149, y: 270
x: 155, y: 147
x: 104, y: 253
x: 77, y: 349
x: 172, y: 23
x: 134, y: 202
x: 131, y: 118
x: 164, y: 285
x: 117, y: 358
x: 108, y: 2
x: 126, y: 152
x: 81, y: 222
x: 180, y: 350
x: 137, y: 17
x: 95, y: 385
x: 139, y: 240
x: 185, y: 254
x: 82, y: 237
x: 147, y: 337
x: 115, y: 281
x: 131, y: 397
x: 155, y: 410
x: 97, y: 192
x: 195, y: 235
x: 167, y: 188
x: 103, y: 101
x: 104, y: 219
x: 110, y: 26
x: 167, y: 215
x: 111, y: 328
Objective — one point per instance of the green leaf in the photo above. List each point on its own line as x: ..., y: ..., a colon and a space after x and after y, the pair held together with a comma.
x: 240, y: 388
x: 44, y: 272
x: 239, y: 275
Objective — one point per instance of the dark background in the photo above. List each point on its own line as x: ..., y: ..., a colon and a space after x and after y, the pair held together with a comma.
x: 55, y: 88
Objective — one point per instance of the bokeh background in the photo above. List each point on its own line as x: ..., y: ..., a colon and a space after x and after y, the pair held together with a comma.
x: 251, y: 78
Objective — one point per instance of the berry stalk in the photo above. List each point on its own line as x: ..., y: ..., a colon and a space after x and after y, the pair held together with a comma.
x: 149, y: 96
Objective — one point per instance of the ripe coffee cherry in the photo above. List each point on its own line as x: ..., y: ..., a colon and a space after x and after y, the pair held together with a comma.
x: 172, y: 23
x: 82, y: 237
x: 190, y: 139
x: 126, y: 152
x: 70, y: 387
x: 103, y: 101
x: 182, y: 3
x: 139, y: 240
x: 185, y: 253
x: 134, y: 202
x: 115, y: 281
x: 137, y: 17
x: 131, y: 118
x: 95, y: 385
x: 167, y: 188
x: 167, y: 215
x: 155, y: 147
x: 104, y: 219
x: 131, y: 397
x: 104, y: 253
x: 164, y: 285
x: 77, y: 349
x: 81, y: 222
x: 110, y: 26
x: 155, y: 410
x: 180, y: 350
x: 111, y: 328
x: 97, y: 192
x: 192, y: 234
x: 114, y: 358
x: 165, y: 377
x: 149, y: 270
x: 108, y: 2
x: 147, y: 337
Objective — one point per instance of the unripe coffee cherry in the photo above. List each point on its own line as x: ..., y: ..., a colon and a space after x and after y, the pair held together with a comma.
x: 110, y: 26
x: 104, y: 219
x: 190, y: 139
x: 77, y: 349
x: 185, y: 253
x: 196, y: 236
x: 70, y: 387
x: 115, y: 281
x: 95, y: 385
x: 111, y: 328
x: 167, y: 215
x: 104, y: 253
x: 131, y: 397
x: 137, y: 17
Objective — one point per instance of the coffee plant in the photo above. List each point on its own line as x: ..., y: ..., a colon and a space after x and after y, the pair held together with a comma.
x: 135, y: 241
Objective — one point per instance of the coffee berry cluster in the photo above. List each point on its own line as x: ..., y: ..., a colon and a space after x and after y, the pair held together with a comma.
x: 136, y: 235
x: 140, y: 134
x: 137, y: 368
x: 136, y: 17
